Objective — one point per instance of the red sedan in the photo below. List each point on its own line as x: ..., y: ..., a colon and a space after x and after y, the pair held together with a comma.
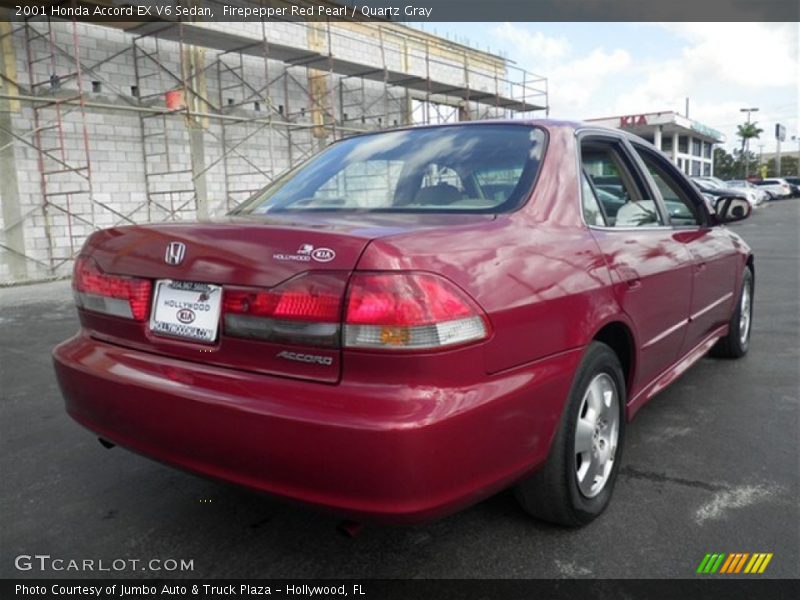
x: 414, y: 320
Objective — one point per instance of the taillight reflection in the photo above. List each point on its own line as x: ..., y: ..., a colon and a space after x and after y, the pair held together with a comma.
x: 306, y: 310
x: 127, y: 297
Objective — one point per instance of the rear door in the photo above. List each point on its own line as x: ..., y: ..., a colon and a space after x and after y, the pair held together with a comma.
x: 714, y: 260
x: 651, y: 268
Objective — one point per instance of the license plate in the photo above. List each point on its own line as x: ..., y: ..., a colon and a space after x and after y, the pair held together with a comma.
x: 185, y: 309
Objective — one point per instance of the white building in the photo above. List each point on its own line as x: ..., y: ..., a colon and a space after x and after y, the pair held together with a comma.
x: 690, y: 144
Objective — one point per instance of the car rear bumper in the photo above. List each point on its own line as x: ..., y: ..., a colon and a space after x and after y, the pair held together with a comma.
x: 393, y: 454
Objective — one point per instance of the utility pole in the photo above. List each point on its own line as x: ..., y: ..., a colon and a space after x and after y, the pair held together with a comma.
x: 747, y: 142
x: 780, y: 136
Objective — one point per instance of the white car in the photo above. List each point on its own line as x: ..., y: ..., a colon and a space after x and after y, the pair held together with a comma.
x: 776, y: 186
x: 715, y: 182
x: 761, y: 193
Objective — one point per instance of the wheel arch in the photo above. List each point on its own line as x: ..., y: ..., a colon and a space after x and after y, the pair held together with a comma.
x: 619, y: 337
x: 750, y: 263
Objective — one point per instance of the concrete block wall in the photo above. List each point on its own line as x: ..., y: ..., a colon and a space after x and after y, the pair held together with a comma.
x: 120, y: 157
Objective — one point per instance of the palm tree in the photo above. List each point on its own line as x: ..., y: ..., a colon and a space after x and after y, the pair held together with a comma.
x: 747, y: 131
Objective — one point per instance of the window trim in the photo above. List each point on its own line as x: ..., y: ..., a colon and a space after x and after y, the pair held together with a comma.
x: 634, y: 168
x: 600, y: 207
x: 690, y: 194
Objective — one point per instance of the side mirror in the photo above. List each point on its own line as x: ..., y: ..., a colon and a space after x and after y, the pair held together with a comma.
x: 732, y: 208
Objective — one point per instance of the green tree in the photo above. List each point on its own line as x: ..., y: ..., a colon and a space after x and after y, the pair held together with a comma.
x: 745, y: 162
x: 788, y: 166
x: 747, y: 132
x: 725, y: 166
x: 731, y: 166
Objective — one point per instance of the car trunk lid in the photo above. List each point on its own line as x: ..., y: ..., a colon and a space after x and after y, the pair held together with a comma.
x: 253, y: 264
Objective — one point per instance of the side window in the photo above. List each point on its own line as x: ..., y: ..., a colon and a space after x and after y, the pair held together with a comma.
x: 678, y: 203
x: 616, y: 189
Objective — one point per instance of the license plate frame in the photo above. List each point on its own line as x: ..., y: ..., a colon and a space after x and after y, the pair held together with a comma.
x: 174, y: 300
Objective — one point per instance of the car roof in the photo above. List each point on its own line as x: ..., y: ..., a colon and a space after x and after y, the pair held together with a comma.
x: 544, y: 123
x: 547, y: 124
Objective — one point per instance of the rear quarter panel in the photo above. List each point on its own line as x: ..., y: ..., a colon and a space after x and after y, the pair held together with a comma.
x: 537, y: 272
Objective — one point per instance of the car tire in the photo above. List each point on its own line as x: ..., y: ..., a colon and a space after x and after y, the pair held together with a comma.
x: 737, y: 342
x: 557, y: 493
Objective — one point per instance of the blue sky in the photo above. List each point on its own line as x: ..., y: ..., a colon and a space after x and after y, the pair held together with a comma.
x: 607, y: 69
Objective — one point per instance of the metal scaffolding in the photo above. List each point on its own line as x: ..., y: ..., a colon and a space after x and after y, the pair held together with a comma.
x: 194, y: 87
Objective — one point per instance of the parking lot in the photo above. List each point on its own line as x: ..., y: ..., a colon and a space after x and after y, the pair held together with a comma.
x: 711, y: 465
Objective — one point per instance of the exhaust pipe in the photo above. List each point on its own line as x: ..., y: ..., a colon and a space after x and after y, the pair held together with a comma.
x: 105, y: 443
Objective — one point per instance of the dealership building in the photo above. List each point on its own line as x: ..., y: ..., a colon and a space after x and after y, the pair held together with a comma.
x: 689, y: 143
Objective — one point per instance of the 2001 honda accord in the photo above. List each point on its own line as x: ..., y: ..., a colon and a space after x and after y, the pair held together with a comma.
x: 413, y: 320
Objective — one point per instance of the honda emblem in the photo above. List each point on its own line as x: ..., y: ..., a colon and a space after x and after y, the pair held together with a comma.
x: 175, y: 253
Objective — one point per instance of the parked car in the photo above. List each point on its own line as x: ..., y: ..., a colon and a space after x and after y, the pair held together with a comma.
x: 762, y: 195
x: 795, y: 183
x: 723, y: 187
x: 779, y: 188
x: 710, y: 188
x: 375, y: 334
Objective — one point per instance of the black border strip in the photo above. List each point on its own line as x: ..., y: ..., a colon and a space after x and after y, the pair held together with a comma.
x: 419, y: 10
x: 734, y: 588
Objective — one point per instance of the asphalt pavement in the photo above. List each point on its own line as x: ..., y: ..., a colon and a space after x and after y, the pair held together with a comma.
x: 711, y: 465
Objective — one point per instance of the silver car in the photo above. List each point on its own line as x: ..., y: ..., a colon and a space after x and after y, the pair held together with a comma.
x: 762, y: 194
x: 776, y: 186
x: 717, y: 183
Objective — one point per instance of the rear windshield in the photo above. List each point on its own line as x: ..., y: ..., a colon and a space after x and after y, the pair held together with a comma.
x: 478, y: 168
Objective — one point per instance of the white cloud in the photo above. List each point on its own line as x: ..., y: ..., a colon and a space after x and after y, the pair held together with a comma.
x: 751, y: 55
x: 572, y: 80
x: 574, y: 83
x: 721, y: 67
x: 724, y: 67
x: 535, y: 45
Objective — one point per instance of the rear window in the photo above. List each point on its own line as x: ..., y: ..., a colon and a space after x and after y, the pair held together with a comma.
x: 477, y: 168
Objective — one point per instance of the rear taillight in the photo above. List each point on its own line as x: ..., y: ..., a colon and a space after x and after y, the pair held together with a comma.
x: 127, y: 297
x: 410, y: 311
x: 394, y: 311
x: 306, y: 309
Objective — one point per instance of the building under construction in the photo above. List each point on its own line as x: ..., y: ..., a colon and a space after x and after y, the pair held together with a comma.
x: 118, y: 123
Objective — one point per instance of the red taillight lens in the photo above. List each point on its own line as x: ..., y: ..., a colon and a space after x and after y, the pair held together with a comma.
x: 402, y: 310
x: 408, y: 310
x: 127, y: 297
x: 405, y: 299
x: 305, y: 298
x: 305, y: 310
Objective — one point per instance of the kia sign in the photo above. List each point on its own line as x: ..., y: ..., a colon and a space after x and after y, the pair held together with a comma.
x: 632, y: 120
x: 780, y: 132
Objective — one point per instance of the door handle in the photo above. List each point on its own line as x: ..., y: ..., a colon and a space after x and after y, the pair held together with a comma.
x: 630, y: 276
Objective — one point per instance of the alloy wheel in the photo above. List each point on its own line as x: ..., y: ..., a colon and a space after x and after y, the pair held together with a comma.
x: 596, y: 435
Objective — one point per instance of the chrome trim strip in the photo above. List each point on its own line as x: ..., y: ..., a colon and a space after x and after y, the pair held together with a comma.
x: 666, y: 333
x: 710, y: 306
